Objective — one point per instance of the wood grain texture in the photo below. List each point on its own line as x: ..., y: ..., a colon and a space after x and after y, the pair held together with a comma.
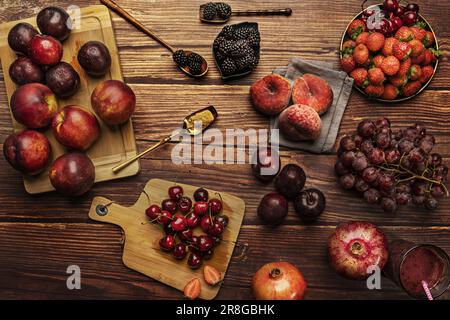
x: 41, y: 235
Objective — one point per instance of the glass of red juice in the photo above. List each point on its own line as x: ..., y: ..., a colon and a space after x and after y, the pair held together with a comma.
x: 409, y: 264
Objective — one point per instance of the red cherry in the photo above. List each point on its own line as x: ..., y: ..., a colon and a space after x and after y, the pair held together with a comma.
x: 192, y: 220
x: 178, y: 223
x: 195, y: 240
x: 185, y: 235
x: 399, y: 11
x: 216, y: 229
x: 390, y: 5
x: 153, y: 211
x: 206, y: 223
x: 414, y: 7
x: 168, y: 229
x: 409, y: 18
x: 194, y: 260
x: 201, y: 208
x: 184, y: 204
x: 223, y: 219
x: 201, y: 194
x: 175, y: 193
x: 205, y: 243
x: 398, y: 22
x: 215, y: 206
x: 169, y: 205
x: 164, y: 217
x: 167, y: 243
x: 179, y: 251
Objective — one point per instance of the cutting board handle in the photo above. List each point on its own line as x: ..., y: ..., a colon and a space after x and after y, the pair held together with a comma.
x: 105, y: 210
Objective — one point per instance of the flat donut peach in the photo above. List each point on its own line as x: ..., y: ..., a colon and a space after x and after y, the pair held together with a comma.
x: 314, y: 92
x: 271, y: 94
x: 300, y: 123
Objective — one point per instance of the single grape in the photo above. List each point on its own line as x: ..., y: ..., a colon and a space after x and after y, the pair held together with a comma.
x: 405, y: 145
x: 416, y: 155
x: 372, y: 196
x: 426, y: 143
x: 418, y: 199
x: 370, y: 174
x: 437, y: 191
x: 366, y: 146
x: 420, y: 129
x: 386, y: 182
x: 403, y: 198
x: 419, y: 167
x: 435, y: 159
x: 347, y: 181
x: 347, y: 158
x: 406, y: 163
x: 358, y: 139
x: 403, y: 187
x: 385, y: 130
x: 383, y: 122
x: 360, y: 162
x: 410, y: 134
x: 361, y: 185
x: 391, y: 155
x: 347, y: 143
x: 419, y: 188
x: 394, y: 143
x: 366, y: 128
x: 376, y: 156
x: 340, y: 169
x: 388, y: 204
x: 442, y: 171
x: 431, y: 203
x: 383, y: 140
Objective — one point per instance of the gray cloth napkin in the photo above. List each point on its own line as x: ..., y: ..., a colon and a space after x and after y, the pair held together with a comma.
x: 340, y: 83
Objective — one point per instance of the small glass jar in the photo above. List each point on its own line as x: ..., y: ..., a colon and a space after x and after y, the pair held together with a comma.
x: 409, y: 264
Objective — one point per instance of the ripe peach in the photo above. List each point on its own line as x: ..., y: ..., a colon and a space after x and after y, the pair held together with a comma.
x: 113, y: 101
x: 72, y: 174
x: 314, y: 92
x: 300, y: 123
x: 271, y: 94
x: 75, y: 128
x: 34, y: 105
x: 27, y: 151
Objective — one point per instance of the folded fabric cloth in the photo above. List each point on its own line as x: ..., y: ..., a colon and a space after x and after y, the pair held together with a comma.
x: 341, y: 85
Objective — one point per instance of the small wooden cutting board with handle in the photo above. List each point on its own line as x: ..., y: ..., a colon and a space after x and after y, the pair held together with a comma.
x: 141, y: 249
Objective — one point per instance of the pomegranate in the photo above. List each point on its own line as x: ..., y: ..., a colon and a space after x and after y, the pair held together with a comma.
x: 278, y: 281
x: 355, y: 246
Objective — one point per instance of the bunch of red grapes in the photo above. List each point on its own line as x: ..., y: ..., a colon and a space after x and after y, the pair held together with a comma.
x: 392, y: 169
x: 179, y: 217
x: 391, y: 16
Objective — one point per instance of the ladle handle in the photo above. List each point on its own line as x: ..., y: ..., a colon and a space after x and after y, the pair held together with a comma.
x: 143, y: 153
x: 124, y: 14
x: 268, y: 12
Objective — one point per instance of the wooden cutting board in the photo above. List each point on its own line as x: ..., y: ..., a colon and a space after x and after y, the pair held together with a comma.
x: 141, y: 249
x: 116, y: 143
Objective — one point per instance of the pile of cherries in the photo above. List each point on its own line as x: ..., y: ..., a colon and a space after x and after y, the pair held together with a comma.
x: 179, y: 216
x: 391, y: 16
x: 391, y: 169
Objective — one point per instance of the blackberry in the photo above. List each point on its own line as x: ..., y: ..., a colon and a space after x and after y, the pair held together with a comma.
x: 180, y: 58
x: 241, y: 33
x: 217, y: 42
x: 253, y: 38
x: 223, y: 10
x: 209, y: 11
x: 194, y: 62
x: 239, y: 49
x: 247, y: 62
x: 225, y: 47
x: 219, y: 56
x: 228, y: 67
x: 228, y: 32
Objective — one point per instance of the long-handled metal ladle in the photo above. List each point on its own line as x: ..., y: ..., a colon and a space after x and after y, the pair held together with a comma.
x: 186, y: 69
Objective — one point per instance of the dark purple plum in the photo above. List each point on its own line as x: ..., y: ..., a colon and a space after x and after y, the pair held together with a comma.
x: 23, y: 71
x: 63, y: 80
x: 20, y: 36
x: 94, y: 58
x: 290, y: 181
x: 309, y: 204
x: 55, y: 22
x: 273, y: 208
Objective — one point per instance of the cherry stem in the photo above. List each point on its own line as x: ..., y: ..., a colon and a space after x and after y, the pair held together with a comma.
x: 148, y: 197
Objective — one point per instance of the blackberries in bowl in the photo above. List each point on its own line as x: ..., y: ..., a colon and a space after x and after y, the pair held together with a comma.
x: 236, y: 49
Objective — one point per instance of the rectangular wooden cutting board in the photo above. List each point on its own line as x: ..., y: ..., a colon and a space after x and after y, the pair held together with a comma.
x: 141, y: 250
x: 116, y: 143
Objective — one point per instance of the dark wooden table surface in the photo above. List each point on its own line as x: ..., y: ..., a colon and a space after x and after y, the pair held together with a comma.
x: 40, y: 236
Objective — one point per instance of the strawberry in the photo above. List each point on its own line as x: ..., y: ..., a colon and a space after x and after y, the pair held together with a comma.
x: 429, y: 39
x: 362, y: 38
x: 399, y: 80
x: 411, y: 88
x: 427, y: 73
x: 390, y: 65
x: 192, y: 289
x: 430, y: 56
x: 390, y: 92
x: 404, y: 34
x: 401, y: 50
x: 348, y: 45
x: 404, y: 67
x: 360, y: 54
x: 375, y: 41
x: 355, y: 28
x: 375, y: 76
x: 419, y: 33
x: 419, y: 59
x: 374, y: 91
x: 359, y: 75
x: 378, y: 60
x: 212, y: 275
x: 348, y: 63
x: 417, y: 48
x: 415, y: 72
x: 388, y: 44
